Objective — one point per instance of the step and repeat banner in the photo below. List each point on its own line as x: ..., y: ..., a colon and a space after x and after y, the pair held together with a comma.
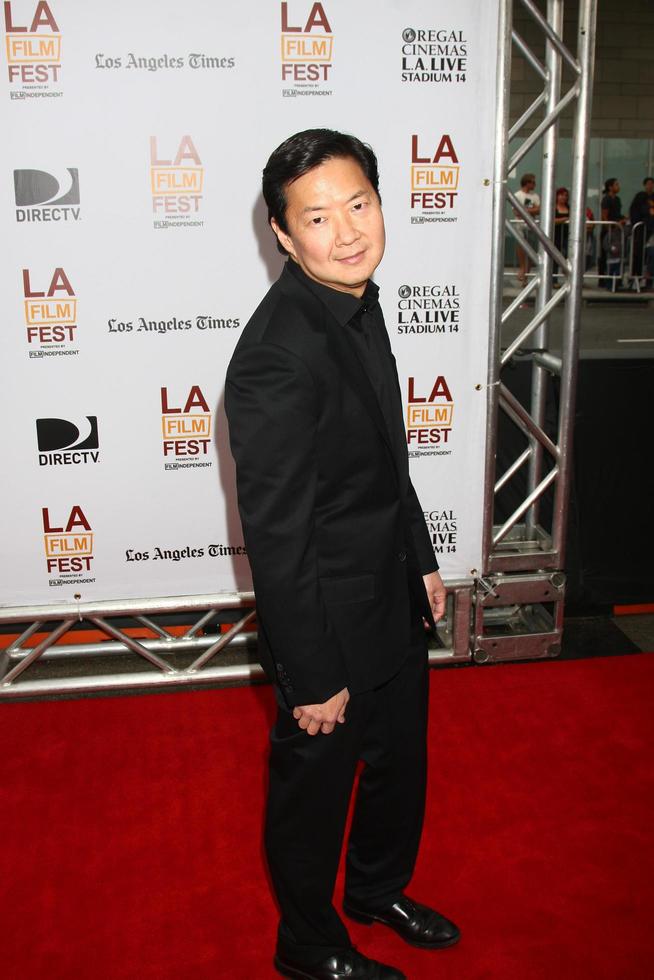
x: 136, y: 247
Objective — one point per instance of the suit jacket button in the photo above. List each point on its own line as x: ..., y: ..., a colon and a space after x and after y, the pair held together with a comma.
x: 402, y: 556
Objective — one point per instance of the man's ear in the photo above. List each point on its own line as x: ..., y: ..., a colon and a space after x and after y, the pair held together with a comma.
x: 284, y: 239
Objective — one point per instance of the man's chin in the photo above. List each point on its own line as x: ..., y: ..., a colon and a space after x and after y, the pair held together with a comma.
x: 353, y: 284
x: 356, y: 275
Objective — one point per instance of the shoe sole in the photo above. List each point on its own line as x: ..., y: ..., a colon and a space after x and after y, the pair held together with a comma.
x: 290, y: 971
x: 367, y: 920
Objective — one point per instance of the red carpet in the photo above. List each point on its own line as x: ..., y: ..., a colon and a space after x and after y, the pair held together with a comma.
x: 131, y: 843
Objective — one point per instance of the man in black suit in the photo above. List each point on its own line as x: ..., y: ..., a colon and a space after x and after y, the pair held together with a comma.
x: 343, y: 569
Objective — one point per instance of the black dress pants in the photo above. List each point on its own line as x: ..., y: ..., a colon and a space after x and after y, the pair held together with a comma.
x: 311, y: 781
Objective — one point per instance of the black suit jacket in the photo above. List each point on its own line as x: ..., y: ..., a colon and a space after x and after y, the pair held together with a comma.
x: 334, y: 532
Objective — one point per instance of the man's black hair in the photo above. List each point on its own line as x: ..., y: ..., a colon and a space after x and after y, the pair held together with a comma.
x: 302, y: 152
x: 608, y: 184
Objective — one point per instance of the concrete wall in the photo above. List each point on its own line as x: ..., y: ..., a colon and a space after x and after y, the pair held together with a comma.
x: 623, y: 94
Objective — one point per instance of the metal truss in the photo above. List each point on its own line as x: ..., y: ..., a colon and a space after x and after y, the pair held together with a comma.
x: 520, y: 592
x: 34, y: 662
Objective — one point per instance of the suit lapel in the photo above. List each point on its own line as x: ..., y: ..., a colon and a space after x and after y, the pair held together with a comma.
x: 346, y: 357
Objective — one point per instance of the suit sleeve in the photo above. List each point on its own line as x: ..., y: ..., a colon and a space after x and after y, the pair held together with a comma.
x: 272, y: 410
x: 416, y: 519
x: 421, y: 540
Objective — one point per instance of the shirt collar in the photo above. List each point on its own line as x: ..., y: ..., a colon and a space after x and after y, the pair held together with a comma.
x: 342, y: 306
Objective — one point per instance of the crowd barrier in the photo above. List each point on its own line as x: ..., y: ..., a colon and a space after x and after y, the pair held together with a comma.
x: 622, y: 248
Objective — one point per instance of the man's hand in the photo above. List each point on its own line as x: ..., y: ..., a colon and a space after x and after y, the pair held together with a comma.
x: 436, y: 594
x: 314, y: 718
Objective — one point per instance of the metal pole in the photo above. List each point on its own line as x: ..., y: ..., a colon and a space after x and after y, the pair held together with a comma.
x: 539, y: 376
x: 576, y: 245
x: 126, y: 607
x: 497, y: 268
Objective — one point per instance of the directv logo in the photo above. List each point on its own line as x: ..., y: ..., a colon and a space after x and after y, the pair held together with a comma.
x: 78, y: 442
x: 39, y: 196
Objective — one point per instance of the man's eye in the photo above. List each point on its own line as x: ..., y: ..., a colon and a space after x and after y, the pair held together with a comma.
x: 317, y: 221
x: 359, y: 206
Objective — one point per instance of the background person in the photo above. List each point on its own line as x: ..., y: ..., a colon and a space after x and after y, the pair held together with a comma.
x: 641, y: 217
x: 591, y: 251
x: 561, y: 224
x: 611, y: 235
x: 530, y: 201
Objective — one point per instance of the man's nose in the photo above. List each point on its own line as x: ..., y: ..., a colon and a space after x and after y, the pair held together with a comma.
x: 346, y: 231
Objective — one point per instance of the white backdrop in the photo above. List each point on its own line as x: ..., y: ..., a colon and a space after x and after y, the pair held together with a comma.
x: 137, y: 248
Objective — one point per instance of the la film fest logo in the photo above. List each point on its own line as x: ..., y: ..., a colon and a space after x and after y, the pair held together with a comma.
x: 185, y: 429
x: 428, y: 309
x: 434, y: 55
x: 42, y: 196
x: 65, y: 443
x: 442, y: 527
x: 68, y: 546
x: 33, y: 47
x: 307, y: 49
x: 176, y: 184
x: 50, y: 314
x: 434, y: 179
x: 429, y: 417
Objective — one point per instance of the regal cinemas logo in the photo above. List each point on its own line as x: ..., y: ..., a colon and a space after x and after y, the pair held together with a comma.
x: 42, y: 196
x: 68, y: 545
x: 434, y: 55
x: 428, y: 309
x: 176, y: 183
x: 442, y: 527
x: 429, y: 417
x: 33, y: 44
x: 307, y: 48
x: 434, y: 179
x: 186, y: 429
x: 50, y: 314
x: 65, y: 443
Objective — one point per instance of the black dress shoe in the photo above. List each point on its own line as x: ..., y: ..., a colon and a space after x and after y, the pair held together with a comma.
x: 348, y: 965
x: 417, y: 924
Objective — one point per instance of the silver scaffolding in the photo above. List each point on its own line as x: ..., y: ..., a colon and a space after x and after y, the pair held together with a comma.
x: 514, y: 607
x: 520, y: 592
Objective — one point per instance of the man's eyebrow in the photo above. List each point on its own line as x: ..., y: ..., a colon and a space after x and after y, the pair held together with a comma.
x: 361, y: 193
x: 323, y: 207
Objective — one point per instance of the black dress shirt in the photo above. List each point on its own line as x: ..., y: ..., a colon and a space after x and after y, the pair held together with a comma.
x: 364, y: 321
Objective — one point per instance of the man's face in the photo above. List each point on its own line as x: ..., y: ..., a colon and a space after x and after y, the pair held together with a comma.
x: 335, y: 225
x: 649, y: 187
